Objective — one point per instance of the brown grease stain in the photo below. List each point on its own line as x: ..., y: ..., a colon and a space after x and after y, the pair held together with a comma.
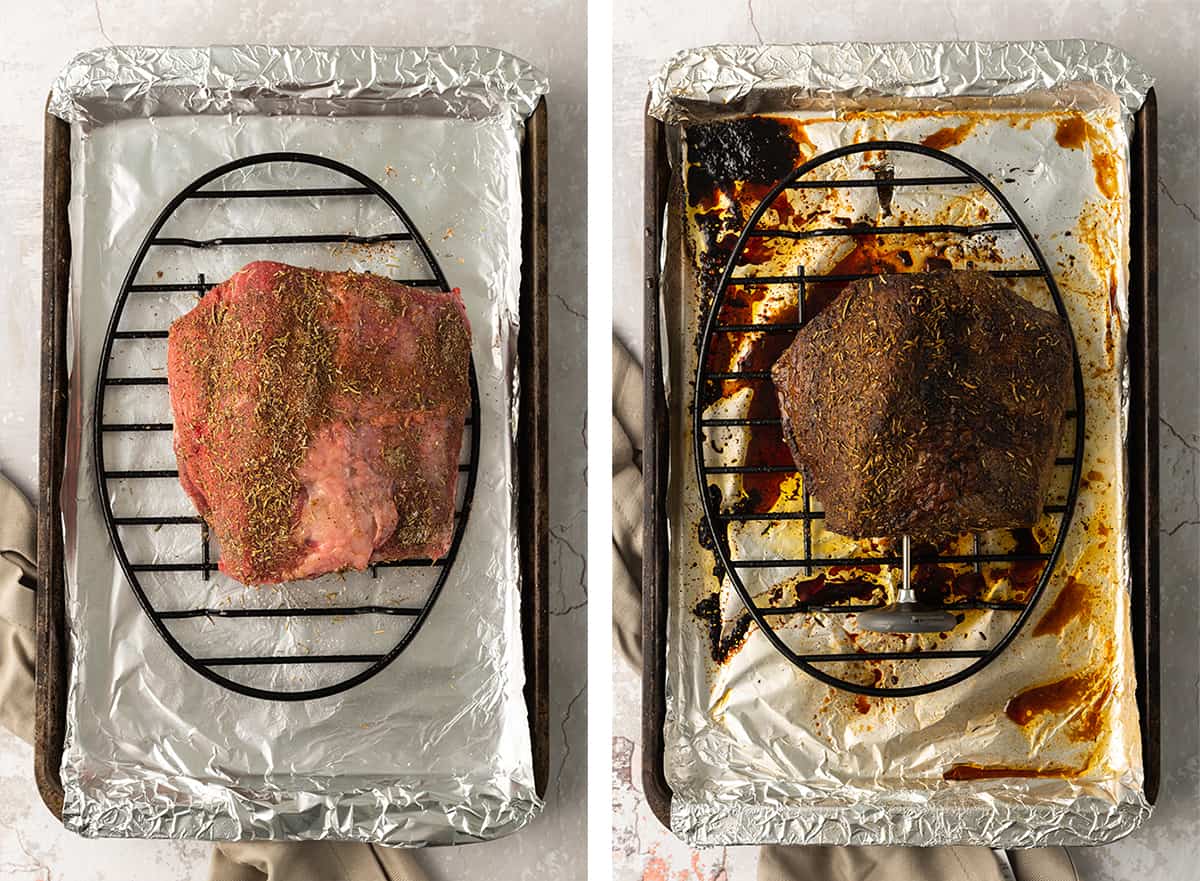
x: 798, y: 133
x: 756, y: 251
x: 951, y: 136
x: 992, y: 772
x: 1071, y: 132
x: 1083, y: 695
x: 820, y: 590
x: 872, y: 568
x: 1104, y: 165
x: 1070, y: 603
x: 940, y: 584
x: 1023, y: 576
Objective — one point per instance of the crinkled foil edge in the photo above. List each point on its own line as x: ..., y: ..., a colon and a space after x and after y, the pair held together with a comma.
x: 119, y: 82
x: 725, y: 75
x: 1091, y: 821
x: 376, y: 815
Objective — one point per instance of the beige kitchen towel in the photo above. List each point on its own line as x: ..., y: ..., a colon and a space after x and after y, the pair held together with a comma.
x: 913, y: 864
x: 627, y: 504
x: 312, y: 861
x: 18, y: 581
x: 782, y: 863
x: 251, y: 861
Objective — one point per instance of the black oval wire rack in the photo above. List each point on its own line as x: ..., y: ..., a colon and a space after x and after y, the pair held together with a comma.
x: 368, y: 664
x: 960, y: 174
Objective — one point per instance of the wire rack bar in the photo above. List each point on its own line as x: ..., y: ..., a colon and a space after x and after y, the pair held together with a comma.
x: 282, y: 193
x: 199, y: 567
x: 944, y: 654
x: 316, y: 239
x: 853, y: 608
x: 738, y: 281
x: 885, y: 560
x: 170, y: 287
x: 134, y: 380
x: 873, y: 183
x: 140, y: 335
x: 272, y: 660
x: 908, y: 229
x: 168, y: 426
x: 303, y: 612
x: 136, y: 426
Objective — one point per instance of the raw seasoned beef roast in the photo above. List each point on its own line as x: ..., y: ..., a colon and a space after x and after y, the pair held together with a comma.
x: 319, y: 417
x: 927, y: 405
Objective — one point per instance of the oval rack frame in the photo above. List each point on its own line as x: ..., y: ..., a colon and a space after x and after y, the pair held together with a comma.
x: 207, y: 667
x: 961, y: 173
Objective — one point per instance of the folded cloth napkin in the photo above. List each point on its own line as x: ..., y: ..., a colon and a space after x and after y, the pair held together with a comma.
x: 233, y: 861
x: 311, y: 861
x: 794, y: 863
x: 18, y: 581
x: 914, y: 864
x: 627, y: 505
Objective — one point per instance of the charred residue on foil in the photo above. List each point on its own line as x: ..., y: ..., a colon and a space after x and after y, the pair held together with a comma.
x: 722, y: 191
x: 720, y: 202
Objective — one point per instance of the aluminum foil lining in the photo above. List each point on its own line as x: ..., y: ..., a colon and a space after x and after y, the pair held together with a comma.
x: 125, y: 82
x: 757, y: 751
x: 436, y: 748
x: 695, y: 81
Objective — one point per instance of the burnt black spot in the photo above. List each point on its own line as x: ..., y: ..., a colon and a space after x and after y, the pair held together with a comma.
x: 753, y: 149
x: 704, y: 535
x: 701, y: 188
x: 708, y: 610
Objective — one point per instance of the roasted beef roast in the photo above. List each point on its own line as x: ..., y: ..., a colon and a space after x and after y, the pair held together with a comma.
x: 319, y: 418
x: 927, y: 405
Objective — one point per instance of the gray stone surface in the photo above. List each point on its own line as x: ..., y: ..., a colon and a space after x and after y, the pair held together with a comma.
x: 1165, y: 37
x: 38, y: 39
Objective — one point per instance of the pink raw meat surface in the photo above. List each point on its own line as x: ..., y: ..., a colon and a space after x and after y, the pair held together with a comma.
x: 319, y: 418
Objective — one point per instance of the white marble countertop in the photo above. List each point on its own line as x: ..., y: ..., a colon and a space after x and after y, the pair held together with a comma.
x: 1165, y: 37
x: 39, y: 38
